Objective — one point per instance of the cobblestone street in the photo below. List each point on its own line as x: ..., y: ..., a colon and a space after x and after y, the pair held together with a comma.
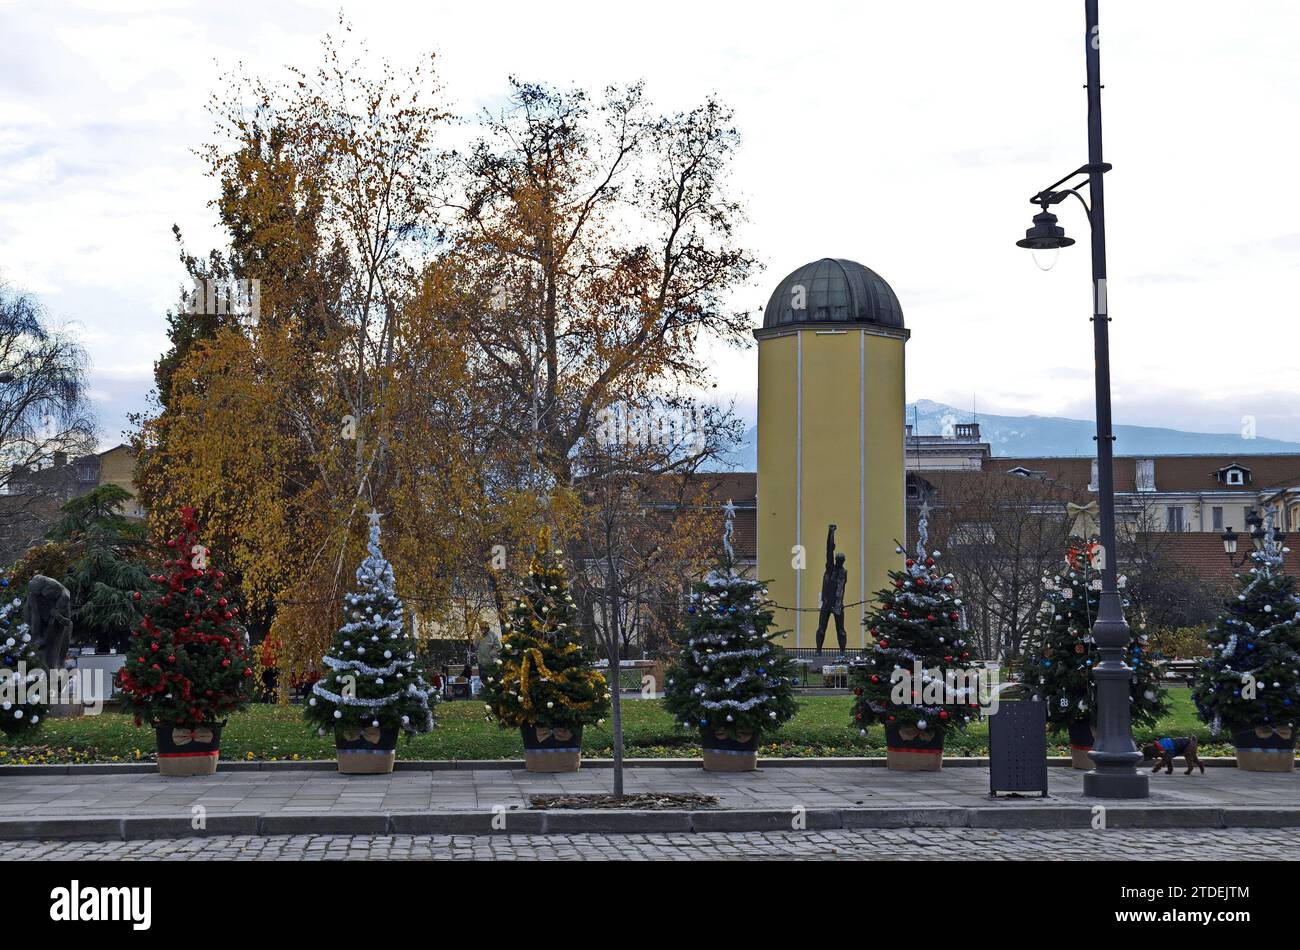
x: 878, y: 845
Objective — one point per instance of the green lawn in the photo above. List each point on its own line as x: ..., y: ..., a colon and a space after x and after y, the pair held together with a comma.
x: 278, y: 732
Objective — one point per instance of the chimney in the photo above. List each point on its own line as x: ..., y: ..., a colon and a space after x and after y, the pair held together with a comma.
x: 60, y: 459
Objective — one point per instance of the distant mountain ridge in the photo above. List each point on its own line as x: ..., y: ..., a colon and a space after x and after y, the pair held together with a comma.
x: 1048, y: 436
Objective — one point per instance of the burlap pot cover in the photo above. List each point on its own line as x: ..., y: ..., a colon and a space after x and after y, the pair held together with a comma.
x: 1265, y: 748
x: 909, y: 749
x: 188, y: 750
x: 726, y: 750
x: 368, y: 751
x: 548, y: 749
x: 1081, y: 740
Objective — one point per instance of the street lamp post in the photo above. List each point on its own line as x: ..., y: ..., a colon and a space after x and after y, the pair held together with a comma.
x: 1268, y: 541
x: 1114, y: 754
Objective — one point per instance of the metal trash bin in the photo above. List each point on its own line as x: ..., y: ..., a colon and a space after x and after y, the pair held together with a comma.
x: 1018, y: 748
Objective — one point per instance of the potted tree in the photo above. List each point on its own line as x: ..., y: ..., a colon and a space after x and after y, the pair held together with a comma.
x: 1249, y: 683
x: 1057, y: 657
x: 919, y: 680
x: 371, y: 689
x: 188, y: 664
x: 542, y: 681
x: 23, y: 697
x: 729, y: 680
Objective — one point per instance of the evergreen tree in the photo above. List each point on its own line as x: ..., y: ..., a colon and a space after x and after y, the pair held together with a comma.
x: 1057, y: 658
x: 543, y: 673
x: 917, y: 621
x: 371, y: 678
x: 728, y: 675
x: 107, y: 568
x: 22, y: 697
x: 1252, y: 675
x: 189, y: 663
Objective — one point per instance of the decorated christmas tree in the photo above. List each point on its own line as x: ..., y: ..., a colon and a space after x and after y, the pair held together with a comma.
x: 543, y: 675
x: 1250, y: 683
x: 919, y: 678
x: 371, y: 681
x: 729, y: 679
x: 1057, y: 657
x: 189, y: 662
x: 22, y: 670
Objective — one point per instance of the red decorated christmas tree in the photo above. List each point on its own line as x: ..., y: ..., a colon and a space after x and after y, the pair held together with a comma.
x: 189, y: 663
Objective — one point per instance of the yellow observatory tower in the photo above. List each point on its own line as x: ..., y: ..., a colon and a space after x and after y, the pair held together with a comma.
x: 830, y: 440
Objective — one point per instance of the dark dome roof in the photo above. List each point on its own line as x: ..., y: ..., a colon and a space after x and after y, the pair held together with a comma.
x: 834, y: 291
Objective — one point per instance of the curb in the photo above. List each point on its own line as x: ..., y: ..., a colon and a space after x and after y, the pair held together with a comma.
x: 608, y: 821
x: 507, y: 765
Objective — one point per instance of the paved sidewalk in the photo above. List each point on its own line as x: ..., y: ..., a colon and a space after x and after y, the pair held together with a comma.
x: 142, y: 804
x: 948, y: 844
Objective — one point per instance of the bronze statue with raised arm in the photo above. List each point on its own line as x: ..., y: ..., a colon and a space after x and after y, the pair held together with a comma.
x: 833, y: 583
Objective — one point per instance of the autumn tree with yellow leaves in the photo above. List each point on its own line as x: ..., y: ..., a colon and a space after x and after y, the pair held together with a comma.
x: 436, y: 334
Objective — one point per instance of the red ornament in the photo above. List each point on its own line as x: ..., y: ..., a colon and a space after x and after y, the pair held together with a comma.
x: 136, y: 596
x: 943, y: 714
x: 910, y: 562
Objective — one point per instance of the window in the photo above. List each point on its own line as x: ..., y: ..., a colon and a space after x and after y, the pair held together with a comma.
x: 1235, y: 477
x: 1145, y: 474
x: 1217, y: 514
x: 1174, y: 518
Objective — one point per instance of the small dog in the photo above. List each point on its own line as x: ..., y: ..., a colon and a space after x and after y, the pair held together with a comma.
x: 1164, y: 751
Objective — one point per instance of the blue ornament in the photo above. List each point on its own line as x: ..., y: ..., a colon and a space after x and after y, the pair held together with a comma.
x: 690, y: 610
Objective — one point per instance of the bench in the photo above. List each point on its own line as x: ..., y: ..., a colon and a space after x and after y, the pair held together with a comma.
x: 1184, y: 670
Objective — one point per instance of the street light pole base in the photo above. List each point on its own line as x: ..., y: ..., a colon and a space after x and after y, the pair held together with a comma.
x: 1116, y: 784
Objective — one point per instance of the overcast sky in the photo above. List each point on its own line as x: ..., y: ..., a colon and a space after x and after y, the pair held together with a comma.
x: 904, y: 135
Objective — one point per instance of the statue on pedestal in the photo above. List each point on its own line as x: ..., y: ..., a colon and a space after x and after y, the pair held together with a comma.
x: 49, y: 619
x: 833, y: 583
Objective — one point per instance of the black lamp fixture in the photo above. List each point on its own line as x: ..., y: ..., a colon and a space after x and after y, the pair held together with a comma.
x: 1045, y: 238
x: 1256, y: 524
x: 1259, y: 539
x: 6, y: 377
x: 1045, y: 234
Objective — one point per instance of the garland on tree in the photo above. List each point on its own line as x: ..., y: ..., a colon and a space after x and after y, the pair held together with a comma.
x: 917, y: 620
x: 1058, y: 655
x: 1252, y: 675
x: 189, y: 663
x: 543, y: 674
x: 729, y: 677
x: 22, y: 697
x: 371, y: 679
